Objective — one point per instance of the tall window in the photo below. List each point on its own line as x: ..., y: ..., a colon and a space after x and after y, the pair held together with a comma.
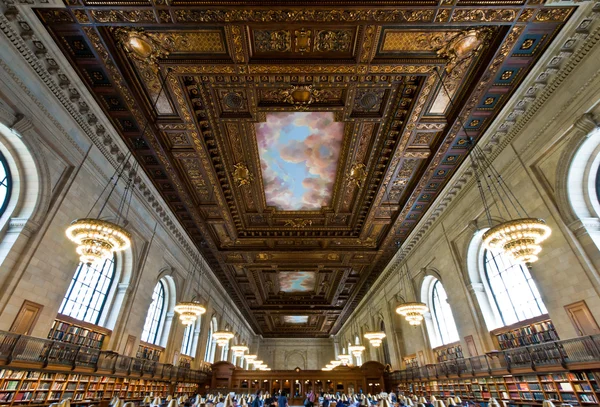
x: 443, y: 320
x: 384, y: 346
x: 188, y: 339
x: 87, y: 292
x: 209, y: 356
x: 155, y: 314
x: 5, y: 184
x: 514, y: 292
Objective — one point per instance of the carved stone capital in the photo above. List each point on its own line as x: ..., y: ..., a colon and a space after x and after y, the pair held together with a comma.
x: 585, y: 123
x: 22, y: 125
x: 475, y: 288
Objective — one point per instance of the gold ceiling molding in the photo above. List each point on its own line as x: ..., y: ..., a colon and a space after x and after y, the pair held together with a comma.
x: 304, y: 15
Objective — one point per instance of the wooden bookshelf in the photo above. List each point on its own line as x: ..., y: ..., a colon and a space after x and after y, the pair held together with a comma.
x: 529, y: 332
x: 25, y: 387
x: 71, y: 330
x: 410, y: 361
x: 149, y: 351
x: 577, y: 388
x: 448, y: 352
x: 185, y: 361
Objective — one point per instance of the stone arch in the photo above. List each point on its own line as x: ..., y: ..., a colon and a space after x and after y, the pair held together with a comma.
x: 294, y: 359
x: 29, y: 201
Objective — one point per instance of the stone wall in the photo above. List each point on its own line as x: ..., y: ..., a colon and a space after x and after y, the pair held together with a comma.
x: 288, y: 354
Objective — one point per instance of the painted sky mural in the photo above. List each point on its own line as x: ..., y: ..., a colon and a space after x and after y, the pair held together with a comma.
x: 299, y: 153
x: 295, y: 319
x: 296, y: 281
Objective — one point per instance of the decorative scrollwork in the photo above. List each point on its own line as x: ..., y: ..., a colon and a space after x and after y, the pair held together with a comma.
x: 357, y: 175
x: 298, y: 223
x: 242, y: 175
x: 302, y: 96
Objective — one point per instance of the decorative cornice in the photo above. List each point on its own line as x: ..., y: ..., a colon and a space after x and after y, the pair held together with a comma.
x: 500, y: 135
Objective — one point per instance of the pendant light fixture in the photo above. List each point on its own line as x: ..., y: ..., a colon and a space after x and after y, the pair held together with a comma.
x: 356, y: 349
x: 344, y: 357
x: 521, y: 235
x: 375, y: 337
x: 412, y: 311
x: 223, y: 337
x: 239, y: 350
x: 189, y: 311
x: 98, y: 239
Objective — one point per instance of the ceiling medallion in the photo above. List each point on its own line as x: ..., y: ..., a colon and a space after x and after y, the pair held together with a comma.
x: 303, y: 40
x: 301, y: 96
x: 357, y: 175
x: 298, y: 223
x: 464, y: 46
x: 141, y: 46
x: 242, y: 175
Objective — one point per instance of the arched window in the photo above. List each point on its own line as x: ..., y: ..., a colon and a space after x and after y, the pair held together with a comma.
x: 155, y: 315
x: 443, y: 320
x: 87, y: 292
x: 384, y: 346
x: 5, y: 184
x: 188, y: 341
x: 514, y: 292
x: 209, y: 356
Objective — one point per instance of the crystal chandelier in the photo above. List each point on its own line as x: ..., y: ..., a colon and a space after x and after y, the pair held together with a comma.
x: 356, y: 350
x: 335, y: 363
x: 189, y: 311
x: 375, y: 338
x: 97, y: 239
x: 222, y: 337
x: 518, y: 237
x: 412, y: 311
x: 250, y: 358
x: 239, y: 350
x: 344, y: 358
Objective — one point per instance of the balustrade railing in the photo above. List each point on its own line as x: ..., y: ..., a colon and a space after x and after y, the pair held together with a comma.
x: 560, y: 353
x: 23, y: 348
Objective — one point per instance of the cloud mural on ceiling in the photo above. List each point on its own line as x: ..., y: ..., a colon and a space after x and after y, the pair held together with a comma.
x: 297, y: 281
x: 295, y: 319
x: 299, y: 152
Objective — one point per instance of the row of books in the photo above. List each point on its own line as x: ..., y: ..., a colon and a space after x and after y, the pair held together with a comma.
x: 449, y: 353
x: 67, y: 332
x: 539, y: 332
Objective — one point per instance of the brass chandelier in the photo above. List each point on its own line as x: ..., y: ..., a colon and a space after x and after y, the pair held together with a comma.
x: 520, y: 236
x: 412, y: 311
x: 97, y: 239
x: 375, y: 338
x: 222, y: 337
x: 189, y: 311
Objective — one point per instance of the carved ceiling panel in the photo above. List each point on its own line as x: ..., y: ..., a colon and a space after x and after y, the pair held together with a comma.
x: 300, y: 146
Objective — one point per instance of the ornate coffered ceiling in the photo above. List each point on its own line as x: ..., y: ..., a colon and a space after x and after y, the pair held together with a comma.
x: 299, y: 146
